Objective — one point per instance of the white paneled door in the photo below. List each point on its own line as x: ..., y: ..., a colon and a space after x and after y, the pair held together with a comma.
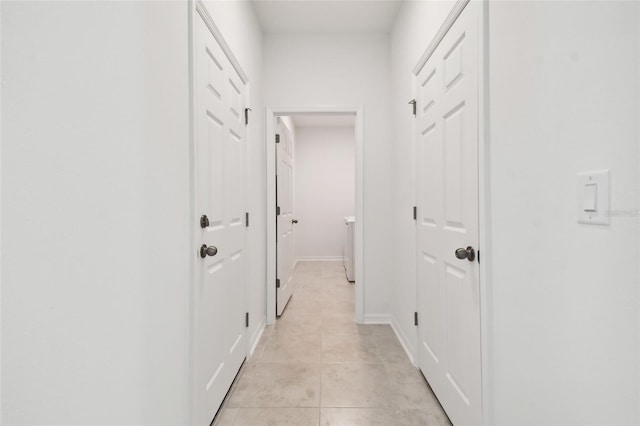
x: 219, y: 296
x: 285, y: 218
x: 447, y: 221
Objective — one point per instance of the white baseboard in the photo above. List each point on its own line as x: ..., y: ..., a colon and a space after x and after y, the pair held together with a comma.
x: 404, y: 341
x: 255, y: 339
x: 377, y: 319
x: 319, y: 259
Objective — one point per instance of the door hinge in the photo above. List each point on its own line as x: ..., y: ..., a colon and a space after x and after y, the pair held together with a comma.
x: 246, y: 116
x: 246, y: 319
x: 277, y: 210
x: 277, y: 282
x: 415, y: 212
x: 246, y: 216
x: 478, y: 256
x: 415, y: 318
x: 277, y: 138
x: 413, y: 102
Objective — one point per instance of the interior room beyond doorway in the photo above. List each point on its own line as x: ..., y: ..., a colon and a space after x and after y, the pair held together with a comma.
x: 315, y: 196
x: 322, y: 199
x: 324, y: 188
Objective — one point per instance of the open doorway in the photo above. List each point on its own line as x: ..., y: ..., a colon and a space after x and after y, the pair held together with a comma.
x: 314, y: 179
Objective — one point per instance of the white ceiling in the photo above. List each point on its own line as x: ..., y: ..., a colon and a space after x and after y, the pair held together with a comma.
x: 327, y: 16
x: 324, y: 120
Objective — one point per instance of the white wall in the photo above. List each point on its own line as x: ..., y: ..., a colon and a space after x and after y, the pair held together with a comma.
x: 415, y: 26
x: 346, y: 69
x: 324, y: 190
x: 564, y: 99
x: 95, y: 209
x: 239, y: 26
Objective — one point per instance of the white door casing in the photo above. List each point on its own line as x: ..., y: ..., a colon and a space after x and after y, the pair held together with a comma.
x: 448, y: 218
x: 285, y: 226
x: 219, y: 347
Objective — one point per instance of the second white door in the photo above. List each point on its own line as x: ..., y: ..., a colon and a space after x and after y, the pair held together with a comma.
x: 285, y: 218
x: 447, y: 221
x: 219, y: 296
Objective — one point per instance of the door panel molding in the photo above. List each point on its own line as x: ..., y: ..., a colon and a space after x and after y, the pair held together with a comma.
x: 442, y: 31
x: 217, y: 34
x: 285, y: 170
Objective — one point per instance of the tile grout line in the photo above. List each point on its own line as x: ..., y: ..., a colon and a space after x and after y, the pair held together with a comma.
x: 377, y: 343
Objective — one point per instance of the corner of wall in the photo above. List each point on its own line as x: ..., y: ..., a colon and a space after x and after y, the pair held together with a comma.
x: 408, y: 347
x: 255, y: 336
x: 391, y: 320
x: 0, y: 215
x: 415, y: 25
x: 638, y: 206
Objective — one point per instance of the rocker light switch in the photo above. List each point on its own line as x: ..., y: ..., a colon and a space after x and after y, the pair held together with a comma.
x: 593, y: 197
x: 590, y: 201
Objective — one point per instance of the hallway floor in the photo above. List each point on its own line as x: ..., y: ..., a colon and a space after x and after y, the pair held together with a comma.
x: 316, y: 366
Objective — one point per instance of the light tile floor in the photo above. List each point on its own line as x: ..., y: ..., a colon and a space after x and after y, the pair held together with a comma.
x: 316, y: 366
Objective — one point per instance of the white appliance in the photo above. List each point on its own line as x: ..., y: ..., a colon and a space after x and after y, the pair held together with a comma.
x: 350, y: 223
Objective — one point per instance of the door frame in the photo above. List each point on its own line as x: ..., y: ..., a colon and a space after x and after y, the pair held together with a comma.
x: 270, y: 127
x: 484, y: 191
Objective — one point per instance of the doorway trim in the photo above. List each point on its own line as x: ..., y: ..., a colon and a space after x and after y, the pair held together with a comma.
x: 271, y: 115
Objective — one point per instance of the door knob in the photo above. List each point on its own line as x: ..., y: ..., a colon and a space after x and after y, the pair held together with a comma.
x: 208, y: 251
x: 469, y: 253
x: 294, y: 221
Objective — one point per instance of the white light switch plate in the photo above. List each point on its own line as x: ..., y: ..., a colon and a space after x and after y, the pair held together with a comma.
x: 593, y: 198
